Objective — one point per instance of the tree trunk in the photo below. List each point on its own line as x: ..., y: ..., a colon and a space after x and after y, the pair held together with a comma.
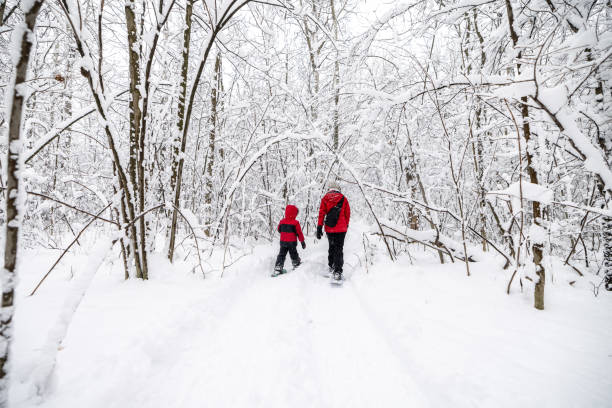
x: 2, y: 8
x: 142, y: 181
x: 605, y: 143
x: 477, y: 143
x: 482, y: 192
x: 336, y: 135
x: 413, y: 214
x: 13, y: 216
x: 537, y: 246
x: 216, y: 26
x: 177, y: 164
x: 418, y: 182
x: 136, y: 161
x: 94, y: 80
x: 212, y: 135
x: 607, y: 253
x: 313, y: 52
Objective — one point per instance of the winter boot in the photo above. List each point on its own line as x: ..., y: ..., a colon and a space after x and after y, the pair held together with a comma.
x: 338, y: 276
x: 277, y: 270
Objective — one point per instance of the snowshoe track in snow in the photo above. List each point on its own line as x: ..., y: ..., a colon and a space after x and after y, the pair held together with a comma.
x: 291, y: 342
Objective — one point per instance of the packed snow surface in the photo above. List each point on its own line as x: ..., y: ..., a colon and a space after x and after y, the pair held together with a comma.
x: 402, y: 335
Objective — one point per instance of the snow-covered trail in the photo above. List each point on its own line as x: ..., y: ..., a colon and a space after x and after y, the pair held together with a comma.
x: 357, y: 366
x: 421, y: 335
x: 294, y: 340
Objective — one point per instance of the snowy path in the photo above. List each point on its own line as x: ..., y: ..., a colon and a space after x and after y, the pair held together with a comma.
x: 355, y: 362
x: 292, y: 341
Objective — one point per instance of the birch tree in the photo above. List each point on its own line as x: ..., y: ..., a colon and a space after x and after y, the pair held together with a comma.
x: 23, y: 44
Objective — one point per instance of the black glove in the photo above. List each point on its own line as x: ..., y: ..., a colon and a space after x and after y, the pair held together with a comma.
x: 319, y: 231
x: 303, y: 245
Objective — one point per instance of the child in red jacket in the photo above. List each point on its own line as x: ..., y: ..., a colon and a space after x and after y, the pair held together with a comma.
x: 290, y: 232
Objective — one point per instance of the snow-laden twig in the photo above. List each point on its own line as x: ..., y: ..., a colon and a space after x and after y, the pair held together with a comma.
x: 565, y: 120
x: 429, y: 238
x: 397, y: 10
x: 247, y: 167
x: 338, y: 158
x: 195, y: 237
x: 60, y: 127
x: 403, y: 198
x: 67, y: 249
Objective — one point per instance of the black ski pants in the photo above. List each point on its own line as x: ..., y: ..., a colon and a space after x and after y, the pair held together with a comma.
x: 285, y: 247
x: 335, y: 255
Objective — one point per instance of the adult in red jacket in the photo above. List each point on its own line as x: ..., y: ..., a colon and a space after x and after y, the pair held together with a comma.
x: 334, y: 202
x: 290, y: 232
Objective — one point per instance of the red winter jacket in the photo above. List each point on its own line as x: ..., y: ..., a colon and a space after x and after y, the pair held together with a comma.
x: 289, y: 227
x: 328, y: 201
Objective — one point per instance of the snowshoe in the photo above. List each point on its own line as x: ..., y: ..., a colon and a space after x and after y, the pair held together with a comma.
x: 337, y: 278
x: 278, y: 272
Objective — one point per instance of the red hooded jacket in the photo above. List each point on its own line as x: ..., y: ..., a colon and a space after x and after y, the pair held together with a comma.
x: 328, y: 201
x: 289, y: 227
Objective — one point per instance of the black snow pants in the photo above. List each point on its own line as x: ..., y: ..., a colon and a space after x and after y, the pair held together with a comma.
x: 335, y: 255
x: 285, y: 247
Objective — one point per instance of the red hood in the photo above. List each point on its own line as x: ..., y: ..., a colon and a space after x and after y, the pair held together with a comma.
x: 291, y: 212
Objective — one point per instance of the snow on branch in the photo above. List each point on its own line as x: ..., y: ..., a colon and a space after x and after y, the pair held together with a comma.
x: 530, y: 191
x: 430, y: 238
x: 368, y: 37
x: 249, y: 164
x: 60, y: 127
x: 565, y: 120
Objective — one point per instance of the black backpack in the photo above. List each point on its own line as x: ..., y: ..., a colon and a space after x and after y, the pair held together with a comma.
x: 331, y: 219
